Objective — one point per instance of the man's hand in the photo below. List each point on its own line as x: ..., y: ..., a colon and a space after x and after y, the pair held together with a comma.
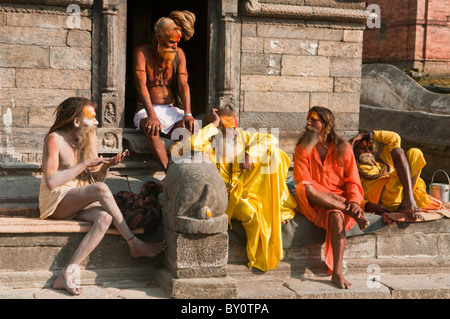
x: 190, y: 124
x: 360, y: 137
x: 112, y: 161
x: 247, y: 165
x: 214, y: 118
x: 376, y: 208
x: 151, y: 125
x: 354, y: 210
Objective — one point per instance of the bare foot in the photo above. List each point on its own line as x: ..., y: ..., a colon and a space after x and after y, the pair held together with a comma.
x: 410, y: 207
x: 66, y: 280
x: 340, y: 281
x: 144, y: 249
x: 362, y: 222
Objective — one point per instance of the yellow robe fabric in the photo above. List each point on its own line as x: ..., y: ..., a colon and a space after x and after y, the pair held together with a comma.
x: 388, y: 190
x: 260, y: 198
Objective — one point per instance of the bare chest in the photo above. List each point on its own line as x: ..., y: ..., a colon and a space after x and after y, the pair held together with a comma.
x: 67, y: 156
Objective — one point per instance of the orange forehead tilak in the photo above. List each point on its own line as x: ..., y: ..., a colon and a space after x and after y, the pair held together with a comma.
x: 312, y: 116
x: 174, y: 36
x: 229, y: 121
x: 89, y: 112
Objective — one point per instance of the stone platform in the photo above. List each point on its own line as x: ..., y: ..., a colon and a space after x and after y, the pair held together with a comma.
x: 410, y: 260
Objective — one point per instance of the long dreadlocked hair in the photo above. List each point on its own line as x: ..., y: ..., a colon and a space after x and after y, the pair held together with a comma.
x: 66, y: 113
x: 330, y: 127
x: 181, y: 21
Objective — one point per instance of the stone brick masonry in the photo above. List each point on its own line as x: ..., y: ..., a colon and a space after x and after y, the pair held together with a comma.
x: 414, y: 34
x: 42, y: 62
x: 285, y: 70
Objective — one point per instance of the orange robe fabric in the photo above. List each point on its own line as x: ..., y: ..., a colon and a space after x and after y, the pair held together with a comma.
x: 335, y: 175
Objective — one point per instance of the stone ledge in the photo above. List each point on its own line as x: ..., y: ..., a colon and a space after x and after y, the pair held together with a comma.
x: 21, y: 225
x: 64, y: 3
x: 255, y: 8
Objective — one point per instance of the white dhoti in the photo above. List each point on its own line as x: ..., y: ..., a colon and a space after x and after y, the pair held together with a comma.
x: 167, y: 115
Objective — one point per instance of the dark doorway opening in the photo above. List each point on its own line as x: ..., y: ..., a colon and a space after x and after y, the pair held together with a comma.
x: 141, y: 17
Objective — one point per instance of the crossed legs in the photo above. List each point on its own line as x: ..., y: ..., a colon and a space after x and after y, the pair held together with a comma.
x: 337, y: 228
x: 95, y: 203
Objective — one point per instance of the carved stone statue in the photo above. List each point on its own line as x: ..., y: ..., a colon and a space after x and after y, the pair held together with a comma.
x: 194, y: 190
x: 193, y: 201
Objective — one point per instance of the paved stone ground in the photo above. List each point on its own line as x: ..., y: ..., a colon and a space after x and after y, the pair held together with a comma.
x: 364, y: 286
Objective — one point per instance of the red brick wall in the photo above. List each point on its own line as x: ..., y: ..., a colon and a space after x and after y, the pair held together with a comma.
x: 408, y: 42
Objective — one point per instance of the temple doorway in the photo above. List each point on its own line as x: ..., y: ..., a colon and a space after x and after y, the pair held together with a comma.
x: 141, y: 16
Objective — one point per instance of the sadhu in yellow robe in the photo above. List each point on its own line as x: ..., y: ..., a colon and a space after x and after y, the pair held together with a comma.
x: 387, y: 190
x: 259, y: 198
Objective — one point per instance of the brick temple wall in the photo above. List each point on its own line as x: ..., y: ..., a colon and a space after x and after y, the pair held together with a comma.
x: 45, y: 57
x: 412, y: 35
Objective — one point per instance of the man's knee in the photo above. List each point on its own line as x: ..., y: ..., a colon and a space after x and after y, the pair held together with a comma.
x: 104, y: 220
x: 102, y: 190
x: 245, y: 212
x: 309, y: 190
x: 414, y: 153
x: 336, y: 221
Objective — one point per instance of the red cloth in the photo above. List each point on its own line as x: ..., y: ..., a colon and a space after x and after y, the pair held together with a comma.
x: 335, y: 175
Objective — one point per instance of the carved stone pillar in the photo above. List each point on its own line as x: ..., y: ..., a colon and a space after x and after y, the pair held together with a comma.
x: 112, y: 75
x: 229, y: 56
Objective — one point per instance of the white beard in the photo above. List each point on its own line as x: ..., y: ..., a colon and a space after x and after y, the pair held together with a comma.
x: 228, y: 149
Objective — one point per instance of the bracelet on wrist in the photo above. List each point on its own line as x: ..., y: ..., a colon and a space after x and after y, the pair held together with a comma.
x: 187, y: 114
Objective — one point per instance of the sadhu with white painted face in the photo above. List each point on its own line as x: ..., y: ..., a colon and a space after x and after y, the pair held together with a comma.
x: 72, y: 185
x: 254, y: 170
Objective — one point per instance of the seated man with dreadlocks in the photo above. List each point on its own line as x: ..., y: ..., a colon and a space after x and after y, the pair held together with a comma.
x: 328, y: 190
x: 72, y: 186
x: 391, y: 182
x: 163, y: 93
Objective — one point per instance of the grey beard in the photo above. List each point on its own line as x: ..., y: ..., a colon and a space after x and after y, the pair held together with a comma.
x: 82, y: 134
x: 310, y: 138
x: 367, y: 159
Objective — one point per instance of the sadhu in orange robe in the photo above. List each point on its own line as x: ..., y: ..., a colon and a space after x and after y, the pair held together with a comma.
x: 334, y: 175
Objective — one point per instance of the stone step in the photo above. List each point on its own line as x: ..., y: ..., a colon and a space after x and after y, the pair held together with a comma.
x: 44, y: 247
x: 34, y: 251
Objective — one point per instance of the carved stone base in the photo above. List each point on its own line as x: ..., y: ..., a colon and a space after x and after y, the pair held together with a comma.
x: 109, y: 140
x: 197, y: 288
x: 196, y: 255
